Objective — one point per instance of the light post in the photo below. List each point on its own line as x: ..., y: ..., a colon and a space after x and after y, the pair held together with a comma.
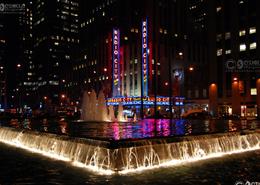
x: 213, y: 99
x: 19, y: 91
x: 236, y: 109
x: 170, y: 87
x: 63, y: 98
x: 258, y: 97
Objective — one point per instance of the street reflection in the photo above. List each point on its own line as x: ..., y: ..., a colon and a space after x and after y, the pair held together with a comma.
x: 147, y: 128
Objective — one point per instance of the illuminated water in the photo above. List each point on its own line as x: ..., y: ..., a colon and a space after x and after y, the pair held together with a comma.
x: 20, y: 167
x: 148, y: 128
x: 108, y: 157
x: 94, y: 108
x: 120, y: 148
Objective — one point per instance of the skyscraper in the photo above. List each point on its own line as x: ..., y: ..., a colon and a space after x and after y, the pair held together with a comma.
x: 233, y: 39
x: 56, y: 40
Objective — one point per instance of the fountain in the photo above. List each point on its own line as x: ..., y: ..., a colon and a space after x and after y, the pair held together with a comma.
x: 111, y: 114
x: 108, y: 157
x: 120, y: 115
x: 94, y: 109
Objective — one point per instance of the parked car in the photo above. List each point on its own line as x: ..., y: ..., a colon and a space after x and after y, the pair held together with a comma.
x: 197, y: 115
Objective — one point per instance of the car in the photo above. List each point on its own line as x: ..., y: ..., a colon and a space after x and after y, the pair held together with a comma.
x: 198, y: 115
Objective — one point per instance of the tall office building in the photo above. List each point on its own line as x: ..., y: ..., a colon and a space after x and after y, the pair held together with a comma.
x: 11, y: 28
x: 25, y: 90
x: 56, y: 38
x: 3, y: 95
x: 233, y: 39
x: 130, y: 45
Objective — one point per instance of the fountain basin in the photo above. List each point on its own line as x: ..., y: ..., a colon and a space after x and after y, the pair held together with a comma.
x: 123, y: 156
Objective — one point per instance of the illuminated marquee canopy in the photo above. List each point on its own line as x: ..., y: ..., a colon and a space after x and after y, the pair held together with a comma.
x: 136, y: 100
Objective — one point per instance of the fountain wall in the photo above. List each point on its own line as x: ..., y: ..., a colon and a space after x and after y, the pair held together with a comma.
x: 127, y: 156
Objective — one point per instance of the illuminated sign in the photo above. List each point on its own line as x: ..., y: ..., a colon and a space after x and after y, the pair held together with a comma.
x: 145, y: 70
x: 116, y: 62
x: 179, y: 100
x: 136, y: 100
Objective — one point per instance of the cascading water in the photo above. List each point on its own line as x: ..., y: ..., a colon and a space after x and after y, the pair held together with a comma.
x: 89, y: 153
x: 101, y: 112
x: 130, y: 156
x: 111, y: 114
x: 120, y: 116
x: 95, y: 109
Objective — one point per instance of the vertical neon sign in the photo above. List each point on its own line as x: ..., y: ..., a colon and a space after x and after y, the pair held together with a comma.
x: 145, y: 57
x: 116, y: 62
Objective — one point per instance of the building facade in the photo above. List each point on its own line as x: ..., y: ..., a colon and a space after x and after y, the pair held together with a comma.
x: 235, y: 54
x: 55, y: 27
x: 175, y: 62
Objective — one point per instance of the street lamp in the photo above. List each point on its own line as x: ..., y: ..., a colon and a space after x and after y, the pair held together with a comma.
x: 63, y: 96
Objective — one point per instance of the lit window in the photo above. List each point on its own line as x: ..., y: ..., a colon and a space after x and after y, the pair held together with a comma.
x: 219, y: 36
x: 242, y: 33
x: 189, y: 94
x: 242, y: 47
x: 228, y: 51
x: 253, y: 91
x: 252, y: 30
x: 219, y: 8
x: 252, y: 45
x: 204, y: 92
x: 227, y: 35
x: 196, y: 93
x: 56, y: 43
x: 219, y: 52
